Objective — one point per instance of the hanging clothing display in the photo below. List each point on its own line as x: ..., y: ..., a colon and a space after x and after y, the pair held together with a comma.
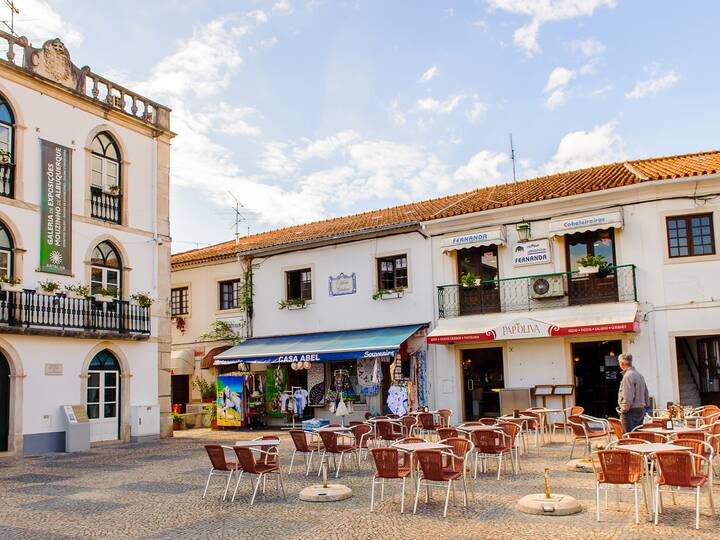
x: 367, y: 373
x: 301, y: 399
x: 397, y: 401
x: 316, y: 384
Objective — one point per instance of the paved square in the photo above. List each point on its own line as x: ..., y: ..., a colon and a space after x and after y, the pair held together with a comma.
x: 154, y: 491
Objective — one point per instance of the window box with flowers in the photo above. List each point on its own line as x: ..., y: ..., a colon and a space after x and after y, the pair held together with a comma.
x: 77, y: 291
x: 10, y: 284
x: 389, y: 294
x: 105, y: 295
x: 48, y: 287
x: 591, y: 264
x: 142, y: 299
x: 292, y: 304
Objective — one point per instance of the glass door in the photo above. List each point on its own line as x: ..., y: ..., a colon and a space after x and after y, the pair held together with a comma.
x: 102, y: 405
x: 483, y: 378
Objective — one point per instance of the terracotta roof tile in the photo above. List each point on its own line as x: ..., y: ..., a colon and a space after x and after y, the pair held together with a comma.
x: 564, y: 184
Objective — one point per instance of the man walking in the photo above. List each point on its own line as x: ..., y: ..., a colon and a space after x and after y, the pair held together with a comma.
x: 633, y: 397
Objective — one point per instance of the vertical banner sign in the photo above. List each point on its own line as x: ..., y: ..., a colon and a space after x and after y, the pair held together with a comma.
x: 56, y: 208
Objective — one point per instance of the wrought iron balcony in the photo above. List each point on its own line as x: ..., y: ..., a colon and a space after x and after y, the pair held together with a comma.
x: 29, y: 310
x: 7, y: 180
x: 105, y: 206
x: 529, y: 293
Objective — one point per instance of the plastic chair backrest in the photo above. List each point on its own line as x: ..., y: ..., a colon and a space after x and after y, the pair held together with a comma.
x: 446, y: 433
x: 444, y: 415
x: 386, y: 462
x: 427, y: 421
x: 358, y: 430
x: 460, y: 447
x: 431, y: 464
x: 385, y: 429
x: 489, y: 442
x: 616, y: 426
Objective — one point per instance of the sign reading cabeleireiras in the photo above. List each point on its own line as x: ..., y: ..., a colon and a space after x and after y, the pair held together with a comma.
x: 55, y: 208
x: 342, y: 284
x: 534, y: 252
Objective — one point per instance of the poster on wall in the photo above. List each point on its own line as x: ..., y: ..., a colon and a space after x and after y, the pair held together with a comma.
x: 56, y: 208
x: 275, y: 383
x: 230, y: 401
x: 533, y: 252
x: 342, y: 284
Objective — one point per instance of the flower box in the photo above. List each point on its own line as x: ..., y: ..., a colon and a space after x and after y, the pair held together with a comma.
x: 296, y: 306
x: 476, y: 283
x: 391, y: 295
x: 40, y: 290
x: 104, y: 298
x: 73, y: 294
x: 11, y: 288
x: 588, y: 269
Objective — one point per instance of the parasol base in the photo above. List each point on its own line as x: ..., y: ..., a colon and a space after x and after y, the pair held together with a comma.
x: 581, y: 465
x: 331, y: 493
x: 556, y: 505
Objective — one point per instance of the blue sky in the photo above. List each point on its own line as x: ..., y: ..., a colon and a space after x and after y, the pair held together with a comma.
x: 310, y: 109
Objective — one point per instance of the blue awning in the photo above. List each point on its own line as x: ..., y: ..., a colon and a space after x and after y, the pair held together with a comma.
x: 321, y: 347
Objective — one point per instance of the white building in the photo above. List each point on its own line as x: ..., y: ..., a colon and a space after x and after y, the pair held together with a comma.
x: 83, y: 203
x: 535, y: 320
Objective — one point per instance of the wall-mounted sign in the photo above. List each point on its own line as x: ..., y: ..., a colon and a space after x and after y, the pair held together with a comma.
x: 589, y: 222
x: 55, y: 208
x: 342, y: 284
x: 53, y: 369
x: 534, y: 252
x: 485, y: 237
x: 70, y: 414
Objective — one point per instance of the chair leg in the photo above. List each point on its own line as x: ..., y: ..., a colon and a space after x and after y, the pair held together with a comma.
x: 447, y: 497
x: 710, y: 496
x: 402, y: 496
x: 500, y: 456
x: 382, y: 489
x: 292, y: 460
x: 257, y: 485
x: 572, y: 450
x: 697, y: 507
x: 237, y: 485
x: 322, y: 460
x: 597, y: 500
x: 207, y: 483
x: 637, y: 510
x: 465, y: 497
x: 227, y: 485
x: 657, y: 502
x: 339, y: 465
x: 309, y: 462
x: 372, y: 495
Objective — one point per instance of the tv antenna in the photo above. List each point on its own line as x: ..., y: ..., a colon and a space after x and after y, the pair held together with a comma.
x: 239, y: 217
x: 13, y: 11
x: 512, y: 157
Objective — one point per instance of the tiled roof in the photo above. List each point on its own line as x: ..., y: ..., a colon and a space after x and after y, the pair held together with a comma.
x: 502, y: 195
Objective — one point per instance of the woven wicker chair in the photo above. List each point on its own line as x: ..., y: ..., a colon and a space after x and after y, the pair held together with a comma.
x: 433, y: 474
x: 302, y: 446
x: 388, y: 431
x: 616, y: 425
x: 364, y: 435
x: 332, y: 446
x: 261, y: 468
x: 491, y: 444
x: 446, y: 433
x: 618, y: 467
x: 444, y: 415
x: 581, y: 432
x: 647, y: 436
x: 220, y: 466
x: 387, y: 467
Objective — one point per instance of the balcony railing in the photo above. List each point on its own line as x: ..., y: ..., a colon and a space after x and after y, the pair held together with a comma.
x: 31, y: 310
x: 105, y: 206
x: 7, y: 177
x: 528, y: 293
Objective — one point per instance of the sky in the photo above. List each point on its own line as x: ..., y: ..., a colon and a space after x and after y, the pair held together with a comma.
x: 309, y: 109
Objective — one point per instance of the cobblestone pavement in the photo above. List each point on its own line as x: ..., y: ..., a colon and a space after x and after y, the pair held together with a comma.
x: 154, y: 491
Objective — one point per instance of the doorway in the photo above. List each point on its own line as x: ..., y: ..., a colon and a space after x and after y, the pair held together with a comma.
x: 597, y: 376
x: 179, y: 392
x: 103, y: 397
x: 4, y: 403
x: 483, y: 378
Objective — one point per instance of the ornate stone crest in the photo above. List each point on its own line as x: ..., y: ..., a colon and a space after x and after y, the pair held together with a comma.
x: 52, y: 61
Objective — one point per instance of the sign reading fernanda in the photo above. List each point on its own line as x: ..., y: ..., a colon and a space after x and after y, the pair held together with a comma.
x: 474, y: 238
x: 535, y: 252
x: 56, y: 208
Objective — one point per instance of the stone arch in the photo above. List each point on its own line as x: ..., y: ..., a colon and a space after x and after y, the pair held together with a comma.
x: 115, y: 135
x: 124, y: 169
x: 17, y: 375
x: 125, y: 376
x: 123, y: 255
x: 20, y: 132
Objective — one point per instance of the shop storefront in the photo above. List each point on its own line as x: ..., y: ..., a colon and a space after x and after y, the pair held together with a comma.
x: 323, y: 375
x: 577, y: 346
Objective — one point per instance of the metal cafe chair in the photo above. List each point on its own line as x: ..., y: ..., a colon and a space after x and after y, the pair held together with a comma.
x: 220, y: 466
x: 387, y: 468
x: 261, y: 468
x: 433, y: 473
x: 302, y: 446
x: 618, y: 468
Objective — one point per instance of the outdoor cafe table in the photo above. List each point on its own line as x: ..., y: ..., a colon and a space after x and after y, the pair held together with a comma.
x: 260, y: 442
x: 525, y: 420
x: 412, y: 447
x: 647, y: 449
x: 543, y: 412
x: 664, y: 431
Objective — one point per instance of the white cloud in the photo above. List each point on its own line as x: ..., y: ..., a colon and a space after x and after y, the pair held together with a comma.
x: 588, y: 47
x: 482, y: 169
x: 481, y: 24
x: 542, y: 11
x: 559, y: 76
x: 476, y: 111
x: 275, y: 160
x: 581, y: 149
x: 324, y: 148
x: 430, y: 74
x: 434, y: 105
x: 258, y: 15
x: 396, y: 116
x: 283, y: 6
x: 557, y: 85
x: 39, y: 21
x: 653, y: 85
x: 229, y: 120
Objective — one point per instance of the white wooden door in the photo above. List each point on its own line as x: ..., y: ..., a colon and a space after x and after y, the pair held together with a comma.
x: 102, y: 405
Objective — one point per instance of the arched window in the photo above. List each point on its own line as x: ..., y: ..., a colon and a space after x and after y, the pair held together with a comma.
x: 7, y: 148
x: 106, y: 269
x: 104, y: 361
x: 6, y: 252
x: 103, y: 396
x: 105, y: 164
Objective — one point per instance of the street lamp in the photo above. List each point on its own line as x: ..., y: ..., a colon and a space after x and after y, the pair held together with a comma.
x: 523, y: 230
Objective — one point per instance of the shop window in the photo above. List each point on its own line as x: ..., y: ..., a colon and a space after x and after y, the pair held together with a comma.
x: 299, y: 284
x: 106, y: 270
x: 392, y: 272
x: 179, y: 301
x: 596, y: 243
x: 230, y: 294
x: 690, y: 236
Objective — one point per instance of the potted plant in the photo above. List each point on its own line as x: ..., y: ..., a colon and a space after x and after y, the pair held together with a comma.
x: 105, y: 295
x: 591, y: 264
x: 114, y: 189
x: 389, y: 294
x: 208, y: 392
x: 47, y: 287
x: 178, y: 420
x: 10, y: 283
x: 470, y: 280
x: 180, y: 324
x: 211, y: 415
x: 5, y: 158
x: 292, y: 303
x: 78, y: 291
x: 142, y: 299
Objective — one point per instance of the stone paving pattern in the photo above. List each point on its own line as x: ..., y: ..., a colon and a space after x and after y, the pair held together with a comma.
x: 154, y: 490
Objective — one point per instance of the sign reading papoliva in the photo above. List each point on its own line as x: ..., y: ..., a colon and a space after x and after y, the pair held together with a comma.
x: 535, y: 252
x: 56, y: 208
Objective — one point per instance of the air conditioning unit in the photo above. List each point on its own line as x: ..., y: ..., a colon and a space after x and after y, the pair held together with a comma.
x: 547, y: 287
